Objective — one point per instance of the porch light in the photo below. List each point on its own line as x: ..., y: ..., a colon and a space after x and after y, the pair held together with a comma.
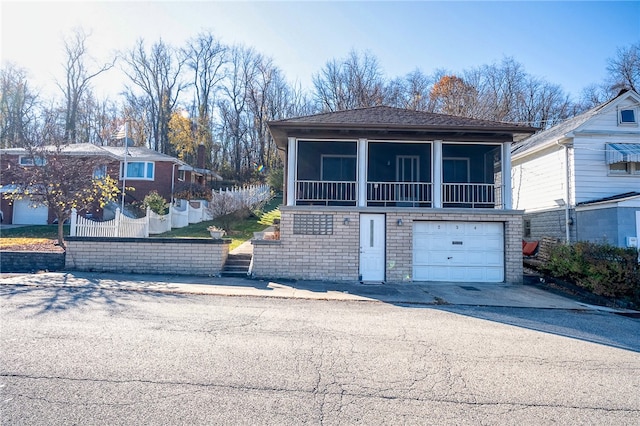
x: 399, y: 222
x: 346, y: 221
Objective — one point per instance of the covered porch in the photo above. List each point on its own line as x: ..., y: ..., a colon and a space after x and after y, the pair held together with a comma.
x: 375, y: 173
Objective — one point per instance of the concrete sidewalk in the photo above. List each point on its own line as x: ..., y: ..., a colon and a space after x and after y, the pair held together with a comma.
x: 471, y: 294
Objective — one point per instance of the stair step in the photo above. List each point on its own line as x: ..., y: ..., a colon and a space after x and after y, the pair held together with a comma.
x: 237, y: 265
x: 233, y: 274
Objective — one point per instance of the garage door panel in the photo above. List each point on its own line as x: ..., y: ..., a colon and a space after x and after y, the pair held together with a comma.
x: 26, y: 212
x: 458, y: 251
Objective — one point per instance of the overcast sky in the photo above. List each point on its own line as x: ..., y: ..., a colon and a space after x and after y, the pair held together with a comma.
x: 566, y: 43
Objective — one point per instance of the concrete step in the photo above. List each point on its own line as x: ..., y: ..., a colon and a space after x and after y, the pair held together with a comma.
x: 237, y: 265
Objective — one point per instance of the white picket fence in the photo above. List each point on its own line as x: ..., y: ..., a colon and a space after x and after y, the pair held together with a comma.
x: 181, y: 214
x: 120, y: 226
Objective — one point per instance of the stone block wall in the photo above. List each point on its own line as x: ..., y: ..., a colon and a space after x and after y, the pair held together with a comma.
x: 337, y: 256
x: 27, y: 261
x: 175, y: 256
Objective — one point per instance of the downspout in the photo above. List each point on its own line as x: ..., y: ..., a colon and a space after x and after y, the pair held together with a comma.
x: 173, y: 180
x: 567, y: 193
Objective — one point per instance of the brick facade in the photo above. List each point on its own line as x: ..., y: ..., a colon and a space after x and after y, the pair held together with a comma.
x: 336, y: 256
x: 175, y: 256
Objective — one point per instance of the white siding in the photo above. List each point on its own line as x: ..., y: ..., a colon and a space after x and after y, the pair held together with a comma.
x: 591, y: 173
x: 539, y: 181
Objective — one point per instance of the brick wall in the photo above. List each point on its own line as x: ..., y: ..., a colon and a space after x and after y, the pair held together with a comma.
x: 27, y: 261
x: 336, y: 256
x: 176, y: 256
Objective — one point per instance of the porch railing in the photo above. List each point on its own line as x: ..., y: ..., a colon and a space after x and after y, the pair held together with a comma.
x: 326, y: 192
x: 470, y: 195
x: 399, y: 194
x: 409, y: 194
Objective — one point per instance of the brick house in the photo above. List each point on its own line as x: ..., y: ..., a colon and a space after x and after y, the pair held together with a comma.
x: 147, y: 170
x: 386, y: 194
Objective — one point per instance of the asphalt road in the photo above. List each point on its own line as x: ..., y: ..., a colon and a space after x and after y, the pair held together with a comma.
x: 102, y: 357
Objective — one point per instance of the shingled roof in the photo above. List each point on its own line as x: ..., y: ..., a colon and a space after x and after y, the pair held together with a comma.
x: 387, y: 118
x: 563, y: 129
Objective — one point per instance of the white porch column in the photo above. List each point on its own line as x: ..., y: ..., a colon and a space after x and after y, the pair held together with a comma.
x: 437, y: 175
x: 292, y: 156
x: 362, y: 172
x: 507, y: 195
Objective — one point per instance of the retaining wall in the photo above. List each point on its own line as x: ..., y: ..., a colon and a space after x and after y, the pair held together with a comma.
x: 175, y: 256
x: 29, y: 261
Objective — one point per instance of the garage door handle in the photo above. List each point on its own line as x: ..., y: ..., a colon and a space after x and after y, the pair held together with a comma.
x: 449, y: 258
x: 456, y: 243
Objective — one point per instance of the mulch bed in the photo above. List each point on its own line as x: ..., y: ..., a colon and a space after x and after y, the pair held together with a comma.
x: 50, y: 246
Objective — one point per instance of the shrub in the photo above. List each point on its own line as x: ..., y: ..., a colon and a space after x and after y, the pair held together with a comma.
x: 156, y: 203
x: 604, y: 270
x: 192, y: 191
x: 275, y: 179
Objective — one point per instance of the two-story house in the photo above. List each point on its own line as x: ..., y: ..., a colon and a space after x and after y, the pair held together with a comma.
x: 146, y: 170
x: 580, y: 180
x: 386, y: 194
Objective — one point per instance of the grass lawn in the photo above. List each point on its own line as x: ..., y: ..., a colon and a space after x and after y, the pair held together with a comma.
x: 241, y: 230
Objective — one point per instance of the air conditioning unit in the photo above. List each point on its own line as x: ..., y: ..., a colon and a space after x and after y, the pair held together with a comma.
x: 632, y: 241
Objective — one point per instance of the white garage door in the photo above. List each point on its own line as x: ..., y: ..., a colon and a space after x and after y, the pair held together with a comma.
x: 27, y: 213
x: 458, y: 251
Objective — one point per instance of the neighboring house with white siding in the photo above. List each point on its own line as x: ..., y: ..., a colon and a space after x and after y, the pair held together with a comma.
x: 580, y: 180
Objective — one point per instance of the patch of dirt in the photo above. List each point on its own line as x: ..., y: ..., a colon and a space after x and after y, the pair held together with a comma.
x: 50, y: 246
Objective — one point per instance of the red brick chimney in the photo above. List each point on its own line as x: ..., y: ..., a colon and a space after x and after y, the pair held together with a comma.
x: 200, y: 160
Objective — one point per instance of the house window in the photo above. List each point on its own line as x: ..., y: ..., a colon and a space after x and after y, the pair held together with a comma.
x: 628, y: 116
x: 100, y: 172
x: 25, y: 160
x: 527, y: 228
x: 338, y: 168
x: 142, y: 170
x: 181, y: 175
x: 455, y: 170
x: 625, y: 168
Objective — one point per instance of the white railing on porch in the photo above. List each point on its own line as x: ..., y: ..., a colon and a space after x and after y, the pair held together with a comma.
x: 415, y: 194
x: 471, y: 195
x: 326, y: 191
x: 120, y: 226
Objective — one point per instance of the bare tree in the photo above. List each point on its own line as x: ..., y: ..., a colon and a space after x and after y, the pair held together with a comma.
x: 18, y: 107
x: 410, y: 92
x: 233, y: 108
x: 354, y: 82
x: 157, y: 73
x: 206, y: 57
x: 624, y: 68
x: 77, y: 79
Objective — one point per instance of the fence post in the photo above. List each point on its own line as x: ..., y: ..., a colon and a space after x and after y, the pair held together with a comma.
x: 146, y: 222
x: 117, y: 222
x: 74, y: 222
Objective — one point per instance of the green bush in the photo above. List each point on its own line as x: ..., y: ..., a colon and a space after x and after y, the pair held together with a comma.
x: 275, y: 179
x: 156, y: 203
x: 604, y: 270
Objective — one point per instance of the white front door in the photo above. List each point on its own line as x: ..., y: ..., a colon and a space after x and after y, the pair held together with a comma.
x: 372, y: 247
